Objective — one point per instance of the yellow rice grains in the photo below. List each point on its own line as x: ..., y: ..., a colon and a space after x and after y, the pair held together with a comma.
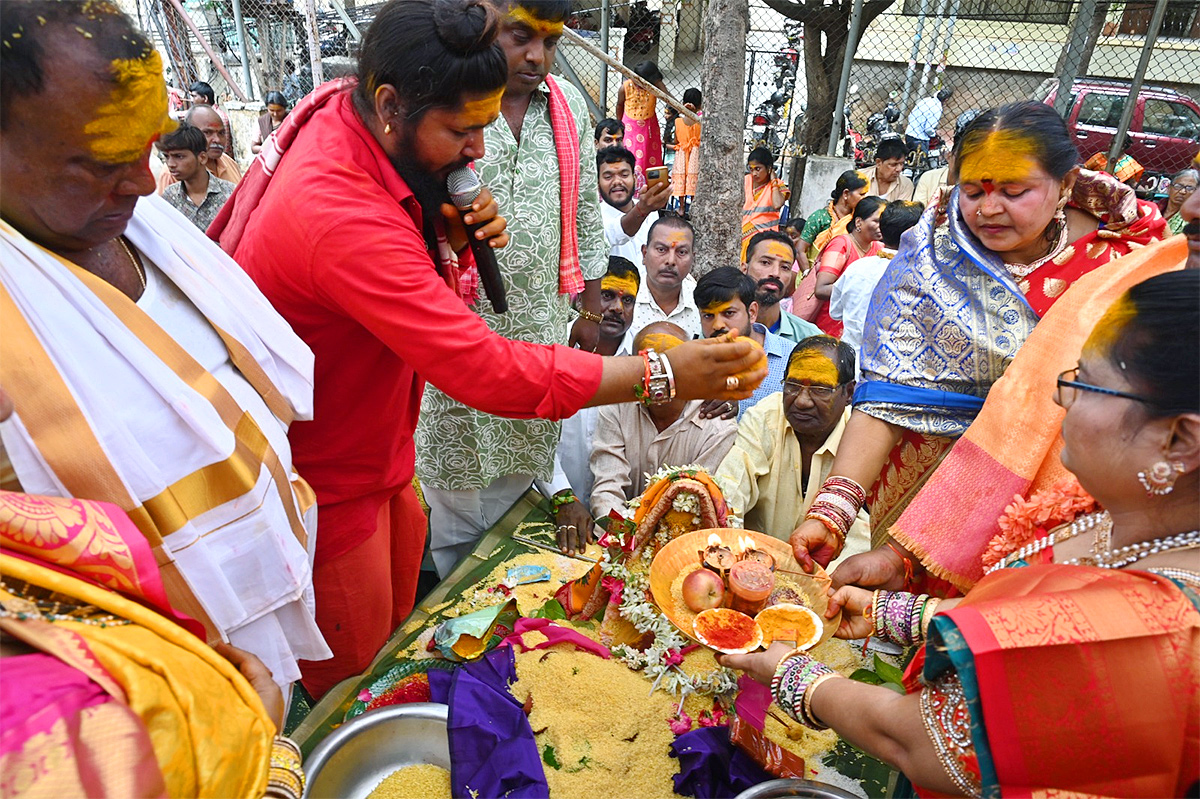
x: 608, y: 734
x: 414, y: 782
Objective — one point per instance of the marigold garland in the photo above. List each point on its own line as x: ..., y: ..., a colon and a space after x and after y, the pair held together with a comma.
x: 1027, y: 520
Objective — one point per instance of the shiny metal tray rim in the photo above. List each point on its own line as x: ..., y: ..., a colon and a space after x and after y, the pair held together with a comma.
x: 378, y: 761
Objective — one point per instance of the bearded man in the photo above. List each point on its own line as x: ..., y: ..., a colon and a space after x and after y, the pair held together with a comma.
x: 344, y: 223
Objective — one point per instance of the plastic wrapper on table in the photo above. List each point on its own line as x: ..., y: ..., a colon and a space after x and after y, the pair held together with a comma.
x: 468, y: 637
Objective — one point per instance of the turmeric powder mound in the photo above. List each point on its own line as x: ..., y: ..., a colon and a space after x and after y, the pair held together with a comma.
x: 598, y: 728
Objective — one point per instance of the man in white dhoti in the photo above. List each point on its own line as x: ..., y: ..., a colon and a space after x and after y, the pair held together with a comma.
x: 145, y: 368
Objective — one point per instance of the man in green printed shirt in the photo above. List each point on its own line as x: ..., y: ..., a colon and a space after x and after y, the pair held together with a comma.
x: 473, y: 466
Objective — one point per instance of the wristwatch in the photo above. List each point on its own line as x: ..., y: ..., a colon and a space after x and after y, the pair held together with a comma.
x: 584, y: 313
x: 660, y: 381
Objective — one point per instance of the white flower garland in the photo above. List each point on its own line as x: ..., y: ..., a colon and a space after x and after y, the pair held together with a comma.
x: 639, y: 611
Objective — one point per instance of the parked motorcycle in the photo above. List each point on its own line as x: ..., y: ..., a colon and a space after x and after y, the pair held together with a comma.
x: 768, y: 124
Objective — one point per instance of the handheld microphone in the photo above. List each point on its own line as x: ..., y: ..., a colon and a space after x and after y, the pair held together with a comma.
x: 464, y: 187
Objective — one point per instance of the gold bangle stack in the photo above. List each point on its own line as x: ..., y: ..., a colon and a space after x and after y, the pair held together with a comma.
x: 813, y: 721
x: 285, y: 780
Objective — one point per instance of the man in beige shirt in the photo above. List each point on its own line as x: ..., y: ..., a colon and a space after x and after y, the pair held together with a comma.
x: 219, y: 162
x: 887, y: 176
x: 787, y: 442
x: 633, y: 440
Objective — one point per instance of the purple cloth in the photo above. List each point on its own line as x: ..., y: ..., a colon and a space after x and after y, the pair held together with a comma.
x: 492, y: 749
x: 710, y: 766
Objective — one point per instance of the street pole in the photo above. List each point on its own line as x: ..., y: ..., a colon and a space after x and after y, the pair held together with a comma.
x: 915, y: 53
x: 604, y: 12
x: 1114, y: 150
x: 835, y: 133
x: 240, y: 23
x: 1075, y: 47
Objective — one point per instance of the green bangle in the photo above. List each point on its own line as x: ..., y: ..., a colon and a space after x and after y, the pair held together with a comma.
x: 564, y: 497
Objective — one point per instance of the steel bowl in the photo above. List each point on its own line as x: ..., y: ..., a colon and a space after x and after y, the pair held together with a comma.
x: 776, y: 789
x: 357, y: 756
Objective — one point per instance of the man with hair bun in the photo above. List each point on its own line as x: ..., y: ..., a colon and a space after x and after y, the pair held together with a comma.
x: 538, y: 163
x: 345, y: 225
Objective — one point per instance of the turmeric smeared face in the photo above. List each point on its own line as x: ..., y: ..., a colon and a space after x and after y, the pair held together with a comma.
x: 667, y: 257
x: 74, y: 157
x: 813, y: 367
x: 766, y: 264
x: 136, y: 114
x: 478, y: 111
x: 813, y: 401
x: 992, y: 158
x: 618, y: 294
x: 1005, y: 196
x: 719, y: 318
x: 530, y: 44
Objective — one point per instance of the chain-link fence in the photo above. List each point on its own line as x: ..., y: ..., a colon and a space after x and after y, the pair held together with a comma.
x: 1082, y: 55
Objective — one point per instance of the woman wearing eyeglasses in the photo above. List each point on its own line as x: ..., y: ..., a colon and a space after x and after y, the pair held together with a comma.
x: 968, y: 286
x: 1073, y: 666
x: 1182, y: 186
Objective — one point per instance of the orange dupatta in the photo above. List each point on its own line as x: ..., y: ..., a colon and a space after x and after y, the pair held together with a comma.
x: 1011, y: 449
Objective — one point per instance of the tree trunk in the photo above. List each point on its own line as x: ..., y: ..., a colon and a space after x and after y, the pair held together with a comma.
x: 719, y: 192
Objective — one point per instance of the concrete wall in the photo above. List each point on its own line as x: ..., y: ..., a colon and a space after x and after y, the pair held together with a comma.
x: 820, y: 175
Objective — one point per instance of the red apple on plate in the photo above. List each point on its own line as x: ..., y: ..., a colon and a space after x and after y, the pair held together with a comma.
x: 703, y: 589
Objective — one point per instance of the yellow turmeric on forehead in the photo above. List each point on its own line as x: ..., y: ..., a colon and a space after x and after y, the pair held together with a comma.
x: 542, y: 27
x: 814, y: 366
x: 1001, y: 156
x: 482, y: 110
x: 717, y: 307
x: 621, y: 284
x: 136, y: 113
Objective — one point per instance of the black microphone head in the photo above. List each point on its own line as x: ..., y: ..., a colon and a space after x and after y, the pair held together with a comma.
x: 464, y: 186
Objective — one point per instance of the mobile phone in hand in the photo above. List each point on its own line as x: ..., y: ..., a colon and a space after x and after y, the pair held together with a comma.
x: 656, y: 175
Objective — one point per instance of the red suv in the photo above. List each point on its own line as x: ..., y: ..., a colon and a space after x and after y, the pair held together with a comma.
x: 1165, y: 127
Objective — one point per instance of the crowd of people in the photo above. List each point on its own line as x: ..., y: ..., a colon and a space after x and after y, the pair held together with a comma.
x: 221, y: 388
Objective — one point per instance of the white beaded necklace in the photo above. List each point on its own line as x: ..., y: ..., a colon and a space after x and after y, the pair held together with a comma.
x: 1102, y: 556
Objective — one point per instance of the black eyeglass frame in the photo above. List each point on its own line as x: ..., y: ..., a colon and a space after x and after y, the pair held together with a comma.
x: 1063, y: 382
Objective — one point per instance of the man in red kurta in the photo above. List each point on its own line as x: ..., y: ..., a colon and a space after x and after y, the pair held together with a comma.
x: 336, y: 239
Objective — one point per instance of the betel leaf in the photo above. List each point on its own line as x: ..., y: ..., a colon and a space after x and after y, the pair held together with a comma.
x: 553, y: 609
x: 887, y: 671
x: 549, y: 757
x: 867, y: 676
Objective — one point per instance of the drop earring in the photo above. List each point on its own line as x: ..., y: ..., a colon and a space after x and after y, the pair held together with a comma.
x: 1159, y: 479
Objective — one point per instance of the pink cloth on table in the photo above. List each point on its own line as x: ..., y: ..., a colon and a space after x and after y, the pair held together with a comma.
x: 752, y: 702
x: 555, y: 635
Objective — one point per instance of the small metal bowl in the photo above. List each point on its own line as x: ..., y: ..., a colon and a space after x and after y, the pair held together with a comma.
x: 792, y: 788
x: 357, y: 756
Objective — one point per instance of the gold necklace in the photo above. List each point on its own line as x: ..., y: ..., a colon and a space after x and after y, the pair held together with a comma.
x: 137, y: 265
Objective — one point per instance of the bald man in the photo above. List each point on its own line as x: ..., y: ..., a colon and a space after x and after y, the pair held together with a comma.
x: 632, y: 441
x: 220, y: 163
